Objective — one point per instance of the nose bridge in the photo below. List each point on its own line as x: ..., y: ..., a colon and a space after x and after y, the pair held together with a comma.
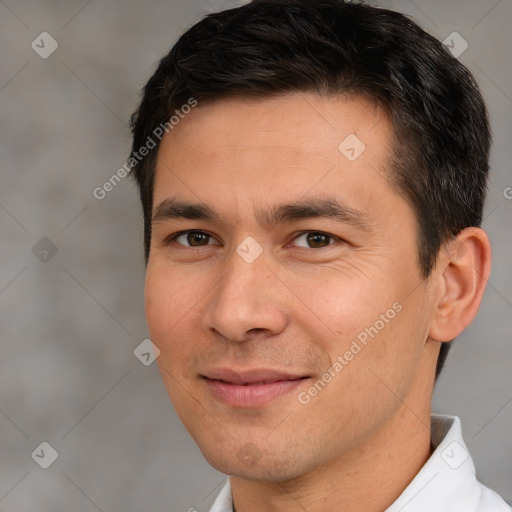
x: 244, y: 282
x: 246, y: 297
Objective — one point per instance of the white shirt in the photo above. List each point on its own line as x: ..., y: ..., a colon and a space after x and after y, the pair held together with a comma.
x: 446, y: 483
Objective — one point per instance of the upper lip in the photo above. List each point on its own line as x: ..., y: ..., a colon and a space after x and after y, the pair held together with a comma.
x: 241, y: 377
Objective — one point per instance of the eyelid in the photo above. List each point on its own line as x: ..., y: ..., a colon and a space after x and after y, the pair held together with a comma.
x: 300, y: 233
x: 172, y: 238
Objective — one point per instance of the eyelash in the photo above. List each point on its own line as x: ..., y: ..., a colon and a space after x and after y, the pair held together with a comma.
x: 172, y: 238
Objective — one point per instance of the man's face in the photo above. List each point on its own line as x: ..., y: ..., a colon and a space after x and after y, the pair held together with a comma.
x: 286, y: 340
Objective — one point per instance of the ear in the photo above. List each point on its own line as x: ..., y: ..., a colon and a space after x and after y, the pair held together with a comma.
x: 462, y: 271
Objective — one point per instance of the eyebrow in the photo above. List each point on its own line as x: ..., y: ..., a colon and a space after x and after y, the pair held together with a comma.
x: 312, y: 208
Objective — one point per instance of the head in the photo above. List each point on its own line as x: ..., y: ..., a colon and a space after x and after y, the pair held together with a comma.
x: 265, y: 97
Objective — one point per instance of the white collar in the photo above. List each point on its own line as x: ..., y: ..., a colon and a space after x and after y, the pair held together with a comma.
x: 446, y: 482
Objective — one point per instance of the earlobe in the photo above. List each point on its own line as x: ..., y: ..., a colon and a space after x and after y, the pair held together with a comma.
x: 464, y: 265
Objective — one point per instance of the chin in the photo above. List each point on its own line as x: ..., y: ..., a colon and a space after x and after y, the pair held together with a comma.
x: 250, y: 463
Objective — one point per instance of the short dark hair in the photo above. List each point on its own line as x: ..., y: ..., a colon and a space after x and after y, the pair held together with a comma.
x: 270, y: 47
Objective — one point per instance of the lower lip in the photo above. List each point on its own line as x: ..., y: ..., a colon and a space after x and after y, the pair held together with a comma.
x: 254, y: 395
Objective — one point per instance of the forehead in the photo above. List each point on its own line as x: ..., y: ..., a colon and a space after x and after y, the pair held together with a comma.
x: 282, y: 147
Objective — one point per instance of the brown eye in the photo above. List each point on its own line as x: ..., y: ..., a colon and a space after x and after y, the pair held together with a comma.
x: 191, y: 238
x: 315, y: 239
x: 318, y: 239
x: 195, y: 238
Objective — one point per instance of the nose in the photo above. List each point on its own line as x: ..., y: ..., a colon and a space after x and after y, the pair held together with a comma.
x: 248, y: 300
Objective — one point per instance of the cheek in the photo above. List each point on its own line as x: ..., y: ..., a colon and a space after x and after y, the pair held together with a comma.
x: 169, y: 301
x: 370, y: 322
x: 156, y: 297
x: 170, y: 312
x: 342, y: 307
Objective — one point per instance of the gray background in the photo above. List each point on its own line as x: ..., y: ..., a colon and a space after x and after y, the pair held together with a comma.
x: 69, y: 325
